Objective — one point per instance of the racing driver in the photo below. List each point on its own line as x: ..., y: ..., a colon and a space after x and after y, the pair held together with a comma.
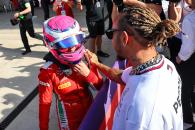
x: 66, y: 73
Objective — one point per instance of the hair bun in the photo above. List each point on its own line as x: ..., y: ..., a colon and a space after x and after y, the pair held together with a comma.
x: 168, y: 28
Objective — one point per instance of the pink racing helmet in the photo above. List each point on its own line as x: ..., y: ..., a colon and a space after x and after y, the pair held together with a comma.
x: 62, y: 33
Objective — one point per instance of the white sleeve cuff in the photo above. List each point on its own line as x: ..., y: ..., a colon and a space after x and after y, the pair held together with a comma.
x: 183, y: 58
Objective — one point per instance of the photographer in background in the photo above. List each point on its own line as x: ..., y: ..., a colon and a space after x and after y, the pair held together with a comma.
x: 24, y: 17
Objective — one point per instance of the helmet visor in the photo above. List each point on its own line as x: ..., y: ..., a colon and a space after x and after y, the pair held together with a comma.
x: 68, y: 42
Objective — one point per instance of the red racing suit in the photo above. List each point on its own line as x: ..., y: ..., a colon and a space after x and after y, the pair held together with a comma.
x: 73, y: 97
x: 67, y: 9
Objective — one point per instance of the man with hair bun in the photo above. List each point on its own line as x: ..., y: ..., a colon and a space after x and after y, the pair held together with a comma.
x: 151, y: 99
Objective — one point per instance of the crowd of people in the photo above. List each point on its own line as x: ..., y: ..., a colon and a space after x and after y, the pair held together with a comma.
x: 159, y: 85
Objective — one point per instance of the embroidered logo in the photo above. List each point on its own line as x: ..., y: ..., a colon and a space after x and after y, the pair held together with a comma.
x: 65, y: 85
x: 44, y: 84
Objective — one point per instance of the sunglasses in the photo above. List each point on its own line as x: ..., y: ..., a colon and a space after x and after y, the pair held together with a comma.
x: 110, y: 32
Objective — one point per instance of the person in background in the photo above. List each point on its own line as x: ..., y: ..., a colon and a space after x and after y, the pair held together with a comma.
x: 63, y: 7
x: 36, y: 3
x: 186, y: 62
x: 45, y: 6
x: 177, y: 10
x: 67, y: 73
x: 151, y: 99
x: 109, y: 6
x: 95, y: 24
x: 26, y: 24
x: 32, y: 7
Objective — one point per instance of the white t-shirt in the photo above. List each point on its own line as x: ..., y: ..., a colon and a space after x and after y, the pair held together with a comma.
x: 188, y: 37
x: 151, y: 100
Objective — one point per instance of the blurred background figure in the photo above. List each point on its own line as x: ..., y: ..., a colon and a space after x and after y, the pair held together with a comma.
x: 24, y: 18
x: 95, y: 24
x: 32, y: 7
x: 63, y: 7
x: 109, y: 6
x: 185, y: 60
x: 177, y: 10
x: 45, y: 5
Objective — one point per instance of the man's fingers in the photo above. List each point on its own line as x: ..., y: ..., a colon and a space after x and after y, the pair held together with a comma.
x: 77, y: 66
x: 91, y: 53
x: 88, y: 53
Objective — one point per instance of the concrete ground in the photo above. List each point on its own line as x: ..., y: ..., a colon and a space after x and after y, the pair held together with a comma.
x: 18, y: 74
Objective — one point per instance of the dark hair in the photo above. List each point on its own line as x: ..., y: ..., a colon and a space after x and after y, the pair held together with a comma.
x: 174, y: 1
x: 147, y: 24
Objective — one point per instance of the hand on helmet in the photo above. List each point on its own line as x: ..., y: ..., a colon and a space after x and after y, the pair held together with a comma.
x: 81, y: 68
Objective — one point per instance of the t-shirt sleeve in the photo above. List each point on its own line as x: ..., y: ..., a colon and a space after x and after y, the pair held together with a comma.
x: 125, y: 74
x: 188, y: 40
x: 27, y: 3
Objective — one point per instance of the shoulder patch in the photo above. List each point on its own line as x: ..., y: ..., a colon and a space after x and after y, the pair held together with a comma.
x: 44, y: 84
x: 47, y: 64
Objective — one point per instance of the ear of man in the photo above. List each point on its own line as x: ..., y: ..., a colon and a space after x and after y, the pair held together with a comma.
x: 125, y: 38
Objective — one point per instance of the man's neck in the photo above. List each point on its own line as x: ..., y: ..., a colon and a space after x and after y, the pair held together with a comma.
x: 142, y: 56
